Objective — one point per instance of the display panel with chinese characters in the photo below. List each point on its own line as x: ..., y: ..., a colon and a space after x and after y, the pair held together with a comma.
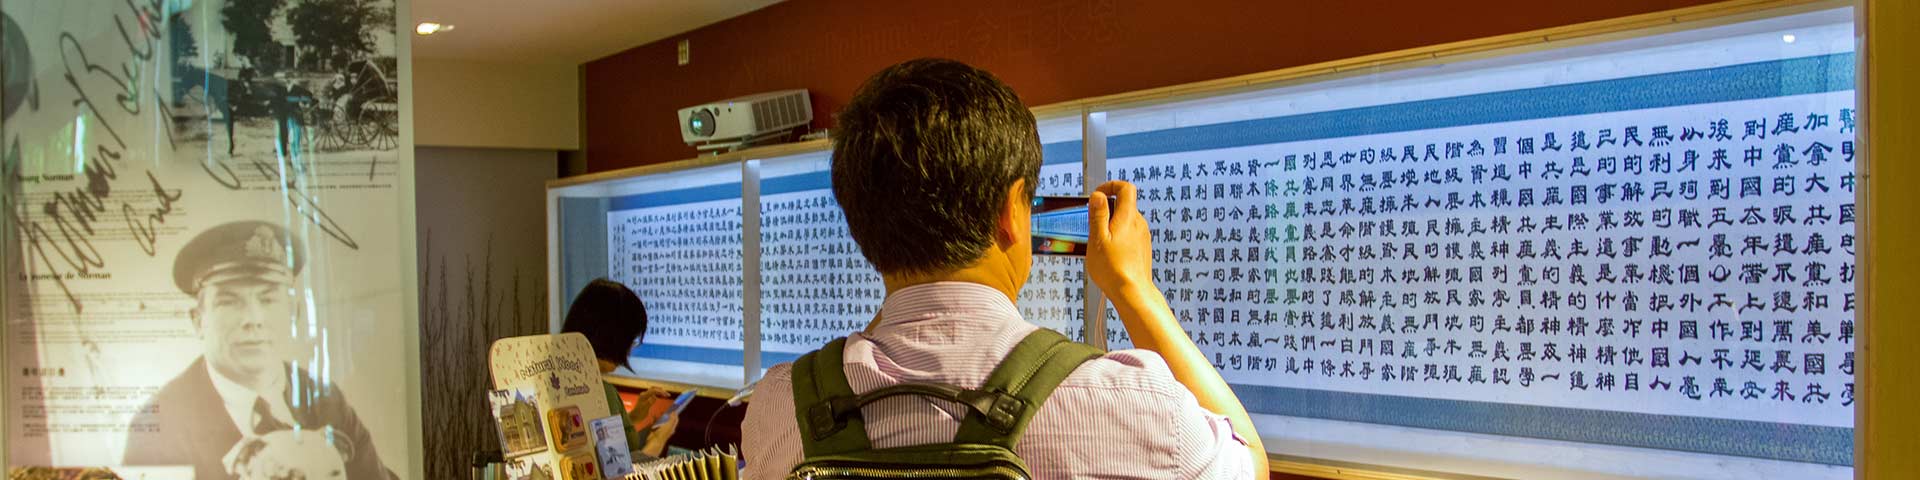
x: 676, y: 241
x: 1655, y: 254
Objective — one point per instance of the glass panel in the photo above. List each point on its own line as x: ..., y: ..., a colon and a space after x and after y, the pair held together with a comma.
x: 1054, y: 296
x: 1597, y: 256
x: 815, y: 284
x: 207, y: 234
x: 674, y: 238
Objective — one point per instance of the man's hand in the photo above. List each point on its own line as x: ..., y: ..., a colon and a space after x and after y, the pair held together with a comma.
x: 1119, y: 244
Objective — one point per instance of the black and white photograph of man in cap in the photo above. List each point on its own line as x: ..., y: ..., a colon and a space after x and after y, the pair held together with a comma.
x: 245, y: 409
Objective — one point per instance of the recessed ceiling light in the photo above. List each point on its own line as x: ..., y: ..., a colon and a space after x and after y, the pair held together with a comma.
x: 429, y: 28
x: 1789, y: 38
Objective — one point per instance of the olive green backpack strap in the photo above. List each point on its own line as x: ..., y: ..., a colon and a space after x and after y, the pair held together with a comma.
x: 818, y: 378
x: 1028, y: 374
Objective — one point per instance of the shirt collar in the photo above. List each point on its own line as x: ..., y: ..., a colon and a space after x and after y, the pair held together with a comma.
x: 230, y: 391
x: 239, y: 398
x: 946, y: 301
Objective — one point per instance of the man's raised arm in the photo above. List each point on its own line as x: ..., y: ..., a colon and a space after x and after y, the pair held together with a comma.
x: 1120, y: 261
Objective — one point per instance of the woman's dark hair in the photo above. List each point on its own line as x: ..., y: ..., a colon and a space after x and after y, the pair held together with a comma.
x: 922, y: 157
x: 611, y: 316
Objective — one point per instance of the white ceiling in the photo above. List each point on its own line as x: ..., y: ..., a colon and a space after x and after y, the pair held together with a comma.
x: 560, y: 31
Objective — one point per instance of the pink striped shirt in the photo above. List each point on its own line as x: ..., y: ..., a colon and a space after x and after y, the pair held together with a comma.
x: 1118, y: 416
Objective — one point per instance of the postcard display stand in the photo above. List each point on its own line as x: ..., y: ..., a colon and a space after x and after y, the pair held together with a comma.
x: 547, y: 400
x: 1628, y: 253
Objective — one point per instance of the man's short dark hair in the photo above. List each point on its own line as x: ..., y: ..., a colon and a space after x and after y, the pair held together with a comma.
x: 922, y: 158
x: 611, y: 316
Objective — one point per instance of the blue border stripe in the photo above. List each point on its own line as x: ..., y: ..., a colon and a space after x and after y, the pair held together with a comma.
x: 1050, y: 154
x: 768, y: 359
x: 717, y: 356
x: 1794, y: 76
x: 1801, y: 443
x: 675, y: 197
x: 1061, y: 152
x: 821, y: 180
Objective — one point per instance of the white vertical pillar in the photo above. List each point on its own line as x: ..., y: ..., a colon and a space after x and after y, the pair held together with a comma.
x: 415, y: 465
x: 750, y: 271
x: 1093, y: 159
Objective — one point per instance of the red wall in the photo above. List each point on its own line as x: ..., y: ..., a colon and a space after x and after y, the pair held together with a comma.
x: 1048, y: 50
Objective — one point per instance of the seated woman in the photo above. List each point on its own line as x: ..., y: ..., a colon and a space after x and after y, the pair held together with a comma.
x: 614, y: 321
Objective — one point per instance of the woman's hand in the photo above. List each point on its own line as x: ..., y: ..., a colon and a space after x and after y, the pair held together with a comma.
x: 644, y: 406
x: 657, y: 438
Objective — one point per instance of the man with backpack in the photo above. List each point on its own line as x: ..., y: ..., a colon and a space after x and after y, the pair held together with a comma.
x: 934, y: 164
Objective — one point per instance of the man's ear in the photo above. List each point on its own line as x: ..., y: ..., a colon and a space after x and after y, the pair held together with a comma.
x: 1006, y: 234
x: 194, y: 314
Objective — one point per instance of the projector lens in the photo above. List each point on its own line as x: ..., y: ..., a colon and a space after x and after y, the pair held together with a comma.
x: 700, y: 123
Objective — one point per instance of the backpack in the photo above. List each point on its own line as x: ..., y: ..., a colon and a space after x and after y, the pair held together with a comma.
x: 834, y: 435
